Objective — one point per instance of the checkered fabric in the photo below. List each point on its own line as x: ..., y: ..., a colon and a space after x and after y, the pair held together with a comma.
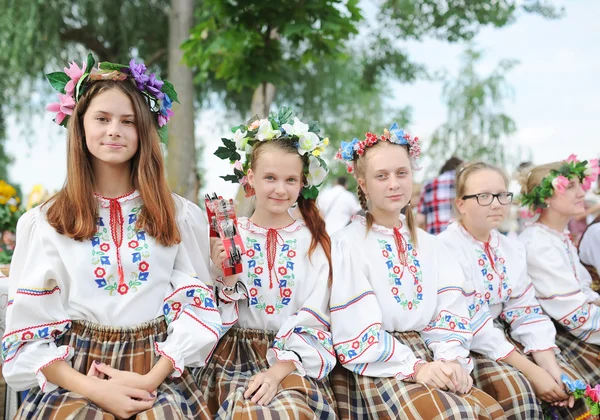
x: 437, y: 197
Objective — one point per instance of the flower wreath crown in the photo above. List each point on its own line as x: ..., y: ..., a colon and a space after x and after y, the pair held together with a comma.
x: 350, y: 149
x: 558, y: 180
x: 305, y: 138
x: 72, y: 83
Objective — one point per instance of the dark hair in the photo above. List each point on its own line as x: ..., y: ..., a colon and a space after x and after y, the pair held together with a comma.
x: 342, y: 181
x: 451, y: 164
x: 308, y: 207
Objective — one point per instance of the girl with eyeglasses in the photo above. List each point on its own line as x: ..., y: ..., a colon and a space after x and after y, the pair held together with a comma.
x: 556, y: 192
x: 509, y: 326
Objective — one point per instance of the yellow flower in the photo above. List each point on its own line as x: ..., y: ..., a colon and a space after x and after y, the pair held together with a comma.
x: 3, y: 199
x: 13, y: 208
x: 316, y: 152
x: 326, y: 141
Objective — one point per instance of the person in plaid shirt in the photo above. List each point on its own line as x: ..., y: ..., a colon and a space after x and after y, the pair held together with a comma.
x: 437, y: 196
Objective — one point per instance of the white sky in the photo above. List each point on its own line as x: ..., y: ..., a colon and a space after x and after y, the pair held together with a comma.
x: 556, y: 105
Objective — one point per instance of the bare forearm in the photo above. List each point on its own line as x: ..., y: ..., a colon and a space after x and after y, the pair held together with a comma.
x: 517, y: 360
x: 161, y: 370
x: 64, y: 376
x: 281, y: 370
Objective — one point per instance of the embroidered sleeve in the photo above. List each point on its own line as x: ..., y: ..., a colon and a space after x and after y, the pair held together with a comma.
x: 35, y: 316
x: 449, y: 333
x: 305, y: 337
x: 559, y: 291
x: 194, y: 324
x: 362, y: 345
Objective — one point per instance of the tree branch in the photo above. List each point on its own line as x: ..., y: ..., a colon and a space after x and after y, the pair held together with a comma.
x: 85, y: 37
x: 155, y: 57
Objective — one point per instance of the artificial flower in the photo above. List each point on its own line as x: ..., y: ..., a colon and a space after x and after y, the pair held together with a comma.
x: 560, y: 184
x: 154, y: 85
x: 593, y: 393
x: 307, y: 141
x: 138, y: 72
x: 572, y: 158
x: 266, y: 132
x: 240, y: 139
x: 75, y: 73
x: 316, y: 173
x: 62, y: 108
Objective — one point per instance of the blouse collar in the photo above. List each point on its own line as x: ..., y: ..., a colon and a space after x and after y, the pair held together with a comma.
x: 105, y: 201
x: 246, y: 224
x: 564, y: 235
x: 382, y: 229
x: 494, y: 240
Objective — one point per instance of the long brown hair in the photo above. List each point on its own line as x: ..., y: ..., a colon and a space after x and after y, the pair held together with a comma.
x: 308, y: 207
x: 359, y: 171
x: 73, y: 211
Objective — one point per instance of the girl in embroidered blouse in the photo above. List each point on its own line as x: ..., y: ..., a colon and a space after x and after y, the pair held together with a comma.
x: 556, y: 193
x: 496, y: 268
x: 399, y: 319
x: 278, y: 306
x: 107, y: 310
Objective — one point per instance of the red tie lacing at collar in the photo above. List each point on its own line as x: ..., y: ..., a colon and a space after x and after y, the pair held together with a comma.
x: 402, y: 247
x: 273, y: 239
x: 116, y: 231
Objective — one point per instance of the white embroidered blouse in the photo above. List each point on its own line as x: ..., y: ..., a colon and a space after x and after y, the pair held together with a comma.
x: 110, y: 279
x: 497, y: 271
x: 562, y: 284
x: 283, y: 291
x: 383, y: 284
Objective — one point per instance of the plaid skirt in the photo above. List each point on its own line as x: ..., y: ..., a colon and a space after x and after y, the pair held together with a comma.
x: 124, y: 348
x: 510, y: 387
x: 362, y: 397
x: 584, y: 357
x: 241, y: 354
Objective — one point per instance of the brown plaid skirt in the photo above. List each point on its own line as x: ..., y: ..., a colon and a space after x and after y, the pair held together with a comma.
x: 513, y: 391
x: 584, y: 357
x: 124, y: 348
x: 241, y: 354
x: 363, y: 397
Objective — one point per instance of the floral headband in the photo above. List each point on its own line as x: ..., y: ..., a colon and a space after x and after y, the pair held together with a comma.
x: 558, y: 180
x: 72, y: 83
x: 305, y: 138
x: 349, y: 150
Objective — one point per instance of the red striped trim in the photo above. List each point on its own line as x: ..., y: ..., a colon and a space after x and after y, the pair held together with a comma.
x: 361, y: 333
x: 202, y: 323
x: 49, y: 363
x: 506, y: 355
x: 538, y: 351
x: 162, y: 353
x: 191, y: 286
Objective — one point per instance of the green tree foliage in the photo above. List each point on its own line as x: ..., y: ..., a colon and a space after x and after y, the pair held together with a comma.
x: 476, y: 125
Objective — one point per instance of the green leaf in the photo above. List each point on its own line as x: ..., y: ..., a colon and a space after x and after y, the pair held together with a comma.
x: 285, y: 114
x: 225, y: 153
x: 78, y: 88
x: 313, y: 126
x: 105, y: 65
x: 58, y: 80
x: 310, y: 193
x: 169, y: 89
x: 229, y: 144
x: 231, y: 178
x: 163, y: 132
x: 90, y: 63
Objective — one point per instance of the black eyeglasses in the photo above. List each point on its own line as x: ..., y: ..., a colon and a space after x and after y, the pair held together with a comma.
x: 486, y: 199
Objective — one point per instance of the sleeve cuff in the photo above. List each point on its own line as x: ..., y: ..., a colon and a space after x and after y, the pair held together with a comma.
x: 240, y: 292
x: 275, y: 355
x: 409, y: 374
x: 450, y: 352
x: 163, y: 349
x: 62, y: 353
